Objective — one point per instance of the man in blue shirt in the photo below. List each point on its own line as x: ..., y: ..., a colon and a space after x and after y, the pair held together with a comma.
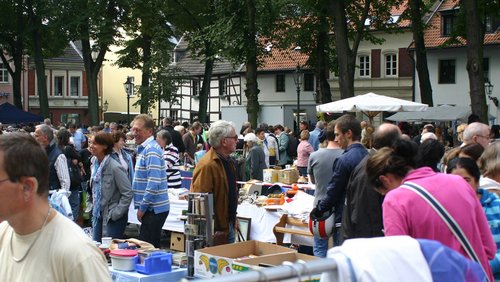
x: 150, y: 181
x: 78, y: 137
x: 314, y: 136
x: 347, y: 134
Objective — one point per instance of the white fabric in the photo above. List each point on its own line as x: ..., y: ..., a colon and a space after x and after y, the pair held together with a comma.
x: 387, y: 259
x: 59, y: 200
x: 61, y: 166
x: 440, y: 113
x: 62, y: 253
x: 489, y: 184
x: 371, y: 102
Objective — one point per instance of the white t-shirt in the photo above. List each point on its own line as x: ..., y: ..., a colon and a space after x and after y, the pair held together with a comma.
x: 62, y: 253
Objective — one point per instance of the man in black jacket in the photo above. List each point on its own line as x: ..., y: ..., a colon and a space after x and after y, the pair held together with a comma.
x: 176, y: 136
x: 362, y: 215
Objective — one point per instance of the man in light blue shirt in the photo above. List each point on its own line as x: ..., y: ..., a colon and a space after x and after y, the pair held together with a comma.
x: 314, y: 135
x: 78, y: 137
x: 150, y: 181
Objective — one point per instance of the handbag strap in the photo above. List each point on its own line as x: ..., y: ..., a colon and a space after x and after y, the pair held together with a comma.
x: 447, y: 218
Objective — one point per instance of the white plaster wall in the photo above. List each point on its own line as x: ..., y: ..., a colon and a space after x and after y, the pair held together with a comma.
x: 458, y: 93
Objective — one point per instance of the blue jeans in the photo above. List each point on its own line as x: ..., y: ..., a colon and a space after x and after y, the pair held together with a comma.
x: 74, y: 202
x: 115, y: 229
x: 96, y: 228
x: 320, y: 246
x: 230, y: 234
x: 151, y: 227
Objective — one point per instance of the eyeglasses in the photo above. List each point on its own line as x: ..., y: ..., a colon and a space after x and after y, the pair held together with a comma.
x: 487, y: 137
x: 235, y: 137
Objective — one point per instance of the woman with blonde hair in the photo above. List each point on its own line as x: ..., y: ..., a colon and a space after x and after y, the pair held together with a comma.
x: 489, y: 163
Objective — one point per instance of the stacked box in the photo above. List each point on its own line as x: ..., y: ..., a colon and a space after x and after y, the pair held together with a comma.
x: 288, y: 176
x: 215, y: 261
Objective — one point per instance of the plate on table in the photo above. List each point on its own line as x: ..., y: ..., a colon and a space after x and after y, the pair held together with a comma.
x: 273, y: 207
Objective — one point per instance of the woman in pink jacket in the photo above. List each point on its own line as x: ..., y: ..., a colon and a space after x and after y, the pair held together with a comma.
x: 304, y: 150
x: 406, y: 213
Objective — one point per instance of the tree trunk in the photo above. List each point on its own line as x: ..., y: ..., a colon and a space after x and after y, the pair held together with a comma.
x: 92, y: 70
x: 40, y: 74
x: 475, y: 35
x: 344, y: 53
x: 15, y: 73
x: 252, y: 89
x: 420, y: 52
x: 205, y: 89
x: 146, y: 74
x: 322, y: 62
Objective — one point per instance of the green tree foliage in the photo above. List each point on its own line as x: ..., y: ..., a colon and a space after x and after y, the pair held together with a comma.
x: 97, y: 25
x: 243, y: 26
x: 352, y: 21
x: 196, y: 20
x: 12, y: 42
x: 147, y: 47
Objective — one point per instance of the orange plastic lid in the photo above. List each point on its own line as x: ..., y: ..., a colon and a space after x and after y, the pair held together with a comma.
x: 123, y: 253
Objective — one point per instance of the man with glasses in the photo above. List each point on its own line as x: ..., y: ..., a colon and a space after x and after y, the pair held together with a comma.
x: 36, y: 242
x: 477, y: 132
x: 215, y: 173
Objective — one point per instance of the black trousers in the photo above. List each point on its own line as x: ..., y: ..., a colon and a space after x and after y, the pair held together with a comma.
x: 151, y: 226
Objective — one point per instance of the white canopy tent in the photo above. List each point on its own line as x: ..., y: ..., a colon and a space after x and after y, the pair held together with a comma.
x: 433, y: 114
x: 371, y: 104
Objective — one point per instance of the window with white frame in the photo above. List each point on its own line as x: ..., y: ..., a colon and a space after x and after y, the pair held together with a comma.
x: 391, y: 65
x: 364, y: 66
x: 280, y: 83
x: 58, y: 88
x: 74, y: 86
x: 4, y: 74
x: 222, y: 87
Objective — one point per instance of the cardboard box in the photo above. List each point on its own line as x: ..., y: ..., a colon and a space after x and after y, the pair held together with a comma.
x: 288, y: 176
x: 253, y: 187
x: 271, y: 175
x: 274, y: 260
x: 177, y: 241
x: 215, y: 261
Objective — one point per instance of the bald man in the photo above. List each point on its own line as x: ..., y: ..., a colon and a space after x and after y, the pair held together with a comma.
x: 362, y: 215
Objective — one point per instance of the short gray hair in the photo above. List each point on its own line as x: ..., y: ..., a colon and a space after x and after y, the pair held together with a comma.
x: 165, y: 135
x: 47, y: 131
x: 218, y: 130
x: 473, y: 129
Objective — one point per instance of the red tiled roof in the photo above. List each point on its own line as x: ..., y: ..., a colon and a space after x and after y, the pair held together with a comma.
x: 280, y: 59
x: 283, y: 59
x: 433, y: 37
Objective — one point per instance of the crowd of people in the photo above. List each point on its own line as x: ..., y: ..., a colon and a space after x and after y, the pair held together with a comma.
x: 371, y: 179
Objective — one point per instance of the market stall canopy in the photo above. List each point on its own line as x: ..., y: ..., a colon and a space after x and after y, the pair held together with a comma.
x: 440, y: 113
x: 371, y: 104
x: 11, y: 114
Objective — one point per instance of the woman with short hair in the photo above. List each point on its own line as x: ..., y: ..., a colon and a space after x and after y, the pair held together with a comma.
x: 111, y: 190
x: 171, y: 157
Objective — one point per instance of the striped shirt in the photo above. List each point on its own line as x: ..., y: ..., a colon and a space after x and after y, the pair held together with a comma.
x: 491, y: 206
x: 171, y: 157
x: 150, y: 178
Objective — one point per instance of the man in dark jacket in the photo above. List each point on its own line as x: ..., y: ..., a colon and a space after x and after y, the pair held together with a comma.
x: 176, y: 136
x: 362, y: 215
x: 347, y: 134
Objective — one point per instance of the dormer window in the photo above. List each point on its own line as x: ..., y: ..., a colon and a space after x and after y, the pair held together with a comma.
x: 448, y: 22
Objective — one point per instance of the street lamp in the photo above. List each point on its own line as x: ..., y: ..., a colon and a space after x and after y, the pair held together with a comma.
x: 105, y: 106
x: 297, y: 78
x: 129, y: 89
x: 488, y: 89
